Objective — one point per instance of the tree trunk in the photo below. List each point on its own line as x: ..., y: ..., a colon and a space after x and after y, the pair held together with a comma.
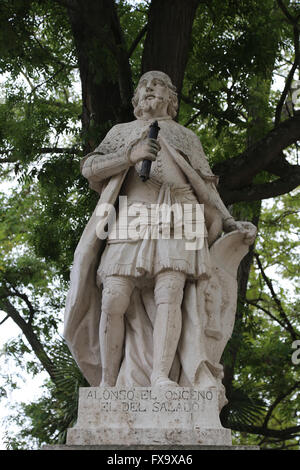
x: 104, y: 62
x: 168, y: 38
x: 104, y: 67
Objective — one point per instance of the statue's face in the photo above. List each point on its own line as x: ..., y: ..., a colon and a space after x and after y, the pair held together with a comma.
x: 212, y: 295
x: 154, y: 96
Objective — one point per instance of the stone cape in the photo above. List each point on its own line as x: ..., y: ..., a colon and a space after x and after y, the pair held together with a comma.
x: 197, y: 359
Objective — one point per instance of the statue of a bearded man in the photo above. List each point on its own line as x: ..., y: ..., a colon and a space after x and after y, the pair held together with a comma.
x: 138, y: 311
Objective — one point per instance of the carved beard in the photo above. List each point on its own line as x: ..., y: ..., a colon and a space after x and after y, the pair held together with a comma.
x: 151, y: 104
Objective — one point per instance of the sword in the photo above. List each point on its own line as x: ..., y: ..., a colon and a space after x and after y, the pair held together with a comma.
x: 146, y: 164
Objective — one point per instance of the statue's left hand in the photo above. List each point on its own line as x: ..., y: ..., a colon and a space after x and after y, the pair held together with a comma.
x: 247, y: 228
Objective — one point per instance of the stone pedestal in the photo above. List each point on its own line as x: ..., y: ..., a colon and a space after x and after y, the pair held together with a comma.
x: 146, y: 416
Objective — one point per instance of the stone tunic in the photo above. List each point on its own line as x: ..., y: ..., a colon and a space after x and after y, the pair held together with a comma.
x: 146, y: 257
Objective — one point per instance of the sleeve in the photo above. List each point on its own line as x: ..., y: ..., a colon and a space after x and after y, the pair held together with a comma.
x: 216, y: 201
x: 108, y: 159
x: 98, y: 167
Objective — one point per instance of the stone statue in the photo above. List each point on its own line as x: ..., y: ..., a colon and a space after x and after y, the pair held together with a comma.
x: 147, y: 311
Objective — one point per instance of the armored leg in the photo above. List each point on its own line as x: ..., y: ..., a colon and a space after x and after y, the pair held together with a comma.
x: 167, y: 326
x: 115, y: 301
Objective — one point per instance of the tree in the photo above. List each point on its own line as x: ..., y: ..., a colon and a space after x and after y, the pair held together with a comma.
x: 223, y: 56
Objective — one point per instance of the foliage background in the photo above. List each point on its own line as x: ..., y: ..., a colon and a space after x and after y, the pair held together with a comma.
x: 235, y: 80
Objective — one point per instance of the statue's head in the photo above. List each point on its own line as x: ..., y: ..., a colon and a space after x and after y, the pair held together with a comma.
x: 155, y: 92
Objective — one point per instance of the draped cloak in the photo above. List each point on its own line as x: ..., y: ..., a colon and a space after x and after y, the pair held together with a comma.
x: 198, y: 354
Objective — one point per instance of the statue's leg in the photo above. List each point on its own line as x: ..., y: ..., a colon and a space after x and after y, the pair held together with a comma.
x: 167, y: 326
x: 115, y: 301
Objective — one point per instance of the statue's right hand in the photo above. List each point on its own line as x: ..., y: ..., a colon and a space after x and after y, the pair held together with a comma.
x: 145, y: 150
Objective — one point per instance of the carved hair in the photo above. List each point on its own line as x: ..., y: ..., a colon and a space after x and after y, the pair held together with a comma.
x: 163, y: 77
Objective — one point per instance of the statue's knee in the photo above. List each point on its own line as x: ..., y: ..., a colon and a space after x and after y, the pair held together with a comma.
x: 116, y: 297
x: 169, y: 288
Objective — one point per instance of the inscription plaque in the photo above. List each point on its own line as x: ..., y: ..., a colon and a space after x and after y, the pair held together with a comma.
x: 146, y: 415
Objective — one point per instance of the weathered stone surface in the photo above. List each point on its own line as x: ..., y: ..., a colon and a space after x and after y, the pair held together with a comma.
x: 147, y: 416
x: 148, y: 448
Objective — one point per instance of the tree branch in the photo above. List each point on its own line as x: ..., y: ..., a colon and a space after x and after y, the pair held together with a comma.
x: 7, y: 160
x: 293, y: 20
x: 31, y: 337
x: 137, y: 40
x: 239, y: 171
x: 258, y: 192
x: 290, y: 76
x: 280, y: 166
x: 277, y: 301
x: 193, y: 103
x: 255, y: 304
x: 287, y: 433
x: 230, y: 114
x: 192, y: 119
x: 66, y: 3
x: 122, y: 58
x: 71, y: 150
x: 43, y: 150
x: 4, y: 320
x: 25, y: 298
x: 276, y: 402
